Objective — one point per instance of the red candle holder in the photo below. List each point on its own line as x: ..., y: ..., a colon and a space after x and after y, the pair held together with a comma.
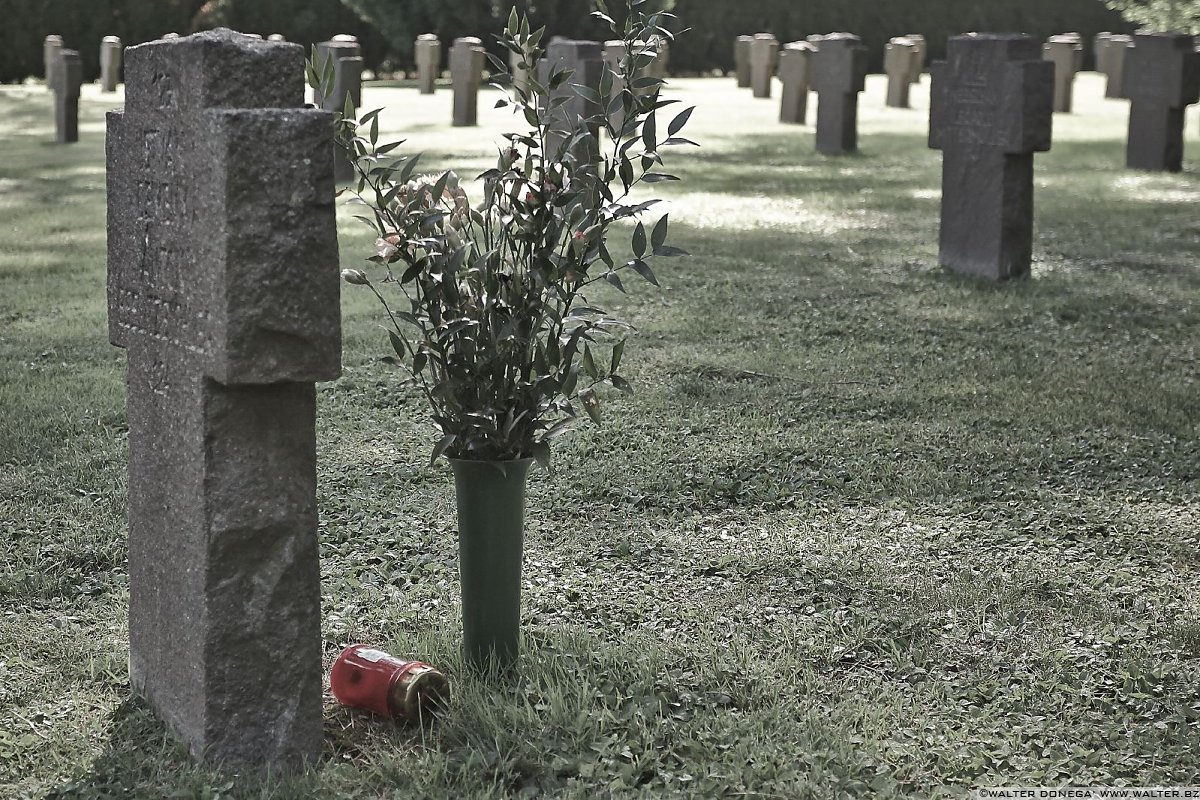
x: 372, y: 680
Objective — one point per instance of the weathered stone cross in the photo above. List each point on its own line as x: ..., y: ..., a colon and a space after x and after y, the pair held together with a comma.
x: 223, y: 289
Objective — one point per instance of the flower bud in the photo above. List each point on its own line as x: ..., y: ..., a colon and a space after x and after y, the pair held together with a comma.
x: 355, y: 276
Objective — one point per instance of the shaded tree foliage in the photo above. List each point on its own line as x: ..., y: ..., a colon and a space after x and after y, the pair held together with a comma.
x: 82, y: 24
x: 1161, y: 15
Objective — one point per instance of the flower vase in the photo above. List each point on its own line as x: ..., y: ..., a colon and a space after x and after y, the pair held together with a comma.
x: 490, y: 496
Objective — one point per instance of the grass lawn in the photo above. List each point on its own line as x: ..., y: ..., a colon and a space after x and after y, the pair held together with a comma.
x: 865, y: 529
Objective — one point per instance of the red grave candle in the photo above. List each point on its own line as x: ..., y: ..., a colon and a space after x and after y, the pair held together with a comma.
x: 370, y: 679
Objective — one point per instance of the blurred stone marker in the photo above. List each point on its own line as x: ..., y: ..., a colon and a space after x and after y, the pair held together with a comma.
x: 51, y: 46
x: 110, y: 63
x: 586, y: 60
x: 614, y: 55
x: 429, y: 61
x: 662, y: 56
x: 1110, y: 50
x: 794, y: 69
x: 764, y: 53
x: 347, y: 85
x: 918, y: 56
x: 68, y: 78
x: 467, y: 60
x: 741, y: 60
x: 1161, y: 79
x: 171, y: 35
x: 1065, y: 51
x: 223, y: 289
x: 520, y: 74
x: 898, y: 61
x: 335, y: 49
x: 276, y: 37
x: 839, y: 73
x: 991, y: 108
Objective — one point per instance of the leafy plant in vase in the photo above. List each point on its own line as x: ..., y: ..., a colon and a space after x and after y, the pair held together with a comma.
x: 486, y: 304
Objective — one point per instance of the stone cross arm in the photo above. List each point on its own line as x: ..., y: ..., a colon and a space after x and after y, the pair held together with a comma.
x: 993, y: 91
x: 219, y: 208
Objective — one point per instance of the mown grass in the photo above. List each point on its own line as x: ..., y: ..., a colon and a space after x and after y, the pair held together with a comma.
x: 866, y: 528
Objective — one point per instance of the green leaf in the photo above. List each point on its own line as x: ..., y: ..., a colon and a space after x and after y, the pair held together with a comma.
x: 620, y: 383
x: 615, y: 280
x: 660, y: 233
x: 440, y: 448
x: 591, y: 404
x: 589, y: 364
x: 617, y: 351
x: 643, y: 269
x: 656, y: 177
x: 680, y: 120
x: 541, y: 454
x: 649, y: 131
x: 639, y: 240
x: 397, y: 343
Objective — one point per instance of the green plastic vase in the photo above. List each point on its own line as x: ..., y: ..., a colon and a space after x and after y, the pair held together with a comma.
x: 491, y: 520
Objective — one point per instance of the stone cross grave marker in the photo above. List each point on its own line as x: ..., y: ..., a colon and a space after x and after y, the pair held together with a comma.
x: 467, y: 60
x: 794, y: 67
x: 1065, y: 51
x: 898, y: 61
x: 918, y: 56
x: 764, y: 55
x: 50, y: 47
x: 223, y: 289
x: 991, y: 108
x: 429, y: 61
x: 110, y: 63
x: 1161, y: 79
x: 1110, y: 50
x: 68, y: 78
x: 839, y: 73
x: 586, y: 59
x: 336, y: 49
x: 741, y: 60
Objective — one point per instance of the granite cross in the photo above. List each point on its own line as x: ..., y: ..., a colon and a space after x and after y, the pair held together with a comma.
x: 991, y: 107
x: 223, y: 289
x: 1161, y: 79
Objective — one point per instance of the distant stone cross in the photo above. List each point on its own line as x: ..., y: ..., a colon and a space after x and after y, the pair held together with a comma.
x: 466, y: 73
x: 898, y: 60
x: 1161, y: 79
x: 68, y: 78
x: 1110, y: 50
x: 429, y: 61
x: 347, y: 85
x: 110, y: 63
x: 839, y: 74
x: 794, y: 69
x: 50, y: 47
x: 764, y: 56
x: 741, y: 60
x: 223, y: 289
x: 919, y: 56
x: 1065, y: 51
x: 990, y: 109
x: 338, y: 50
